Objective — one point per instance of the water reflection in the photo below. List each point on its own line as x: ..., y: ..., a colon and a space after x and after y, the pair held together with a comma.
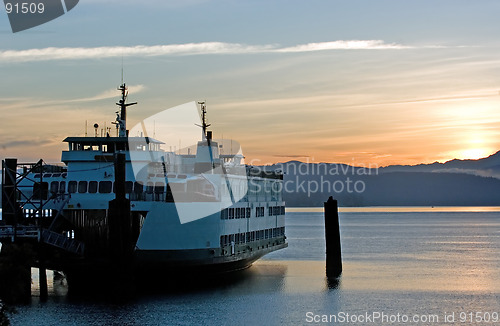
x: 414, y: 263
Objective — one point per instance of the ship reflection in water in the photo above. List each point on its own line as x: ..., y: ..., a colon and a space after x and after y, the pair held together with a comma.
x: 394, y: 262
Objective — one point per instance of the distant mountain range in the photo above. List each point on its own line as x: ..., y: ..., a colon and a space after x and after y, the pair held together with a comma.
x: 453, y: 183
x: 486, y: 167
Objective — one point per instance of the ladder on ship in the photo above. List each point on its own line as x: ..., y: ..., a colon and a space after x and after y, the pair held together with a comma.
x: 13, y: 215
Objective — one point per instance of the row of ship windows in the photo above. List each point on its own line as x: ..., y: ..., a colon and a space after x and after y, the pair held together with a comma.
x: 104, y: 187
x: 246, y: 212
x: 239, y: 238
x: 50, y: 175
x: 151, y: 175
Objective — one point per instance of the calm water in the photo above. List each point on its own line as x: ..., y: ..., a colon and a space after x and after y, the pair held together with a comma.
x: 422, y: 264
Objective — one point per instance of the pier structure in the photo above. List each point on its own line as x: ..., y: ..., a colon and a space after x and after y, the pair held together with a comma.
x: 33, y: 235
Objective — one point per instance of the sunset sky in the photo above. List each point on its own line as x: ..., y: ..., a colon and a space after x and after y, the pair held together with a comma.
x: 381, y: 82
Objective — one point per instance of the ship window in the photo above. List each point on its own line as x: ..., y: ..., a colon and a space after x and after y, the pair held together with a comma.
x: 62, y: 187
x: 182, y: 176
x: 37, y: 176
x: 64, y: 175
x: 266, y: 235
x: 138, y: 187
x: 72, y: 187
x: 128, y: 187
x: 171, y: 176
x: 177, y: 187
x: 237, y: 212
x: 270, y: 211
x: 93, y: 187
x: 47, y: 175
x: 56, y: 175
x: 40, y: 190
x: 159, y: 187
x: 82, y: 187
x: 105, y: 187
x: 149, y: 188
x: 54, y: 187
x: 248, y: 210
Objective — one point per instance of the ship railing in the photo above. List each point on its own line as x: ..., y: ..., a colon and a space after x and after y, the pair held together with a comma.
x: 10, y: 233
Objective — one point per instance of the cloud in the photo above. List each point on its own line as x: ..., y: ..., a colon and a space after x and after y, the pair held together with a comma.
x: 344, y: 45
x: 79, y: 53
x: 19, y: 105
x: 53, y: 53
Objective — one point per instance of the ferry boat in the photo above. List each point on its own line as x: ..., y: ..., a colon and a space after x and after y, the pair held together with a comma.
x: 125, y: 200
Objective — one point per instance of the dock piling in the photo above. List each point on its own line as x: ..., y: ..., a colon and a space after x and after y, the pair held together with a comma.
x: 332, y: 237
x: 42, y: 271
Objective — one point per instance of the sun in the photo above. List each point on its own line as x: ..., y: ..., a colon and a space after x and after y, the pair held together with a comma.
x: 475, y: 148
x: 474, y: 153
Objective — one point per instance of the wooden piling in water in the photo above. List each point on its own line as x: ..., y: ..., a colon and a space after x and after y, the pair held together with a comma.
x: 10, y: 207
x: 121, y: 247
x: 332, y: 237
x: 44, y: 293
x: 42, y: 276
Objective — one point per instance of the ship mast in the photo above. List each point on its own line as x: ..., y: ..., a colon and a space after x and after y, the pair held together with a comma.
x: 121, y: 118
x: 204, y: 124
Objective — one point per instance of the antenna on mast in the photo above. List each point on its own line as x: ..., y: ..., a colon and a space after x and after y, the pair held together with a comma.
x: 204, y: 124
x: 121, y: 118
x: 122, y: 71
